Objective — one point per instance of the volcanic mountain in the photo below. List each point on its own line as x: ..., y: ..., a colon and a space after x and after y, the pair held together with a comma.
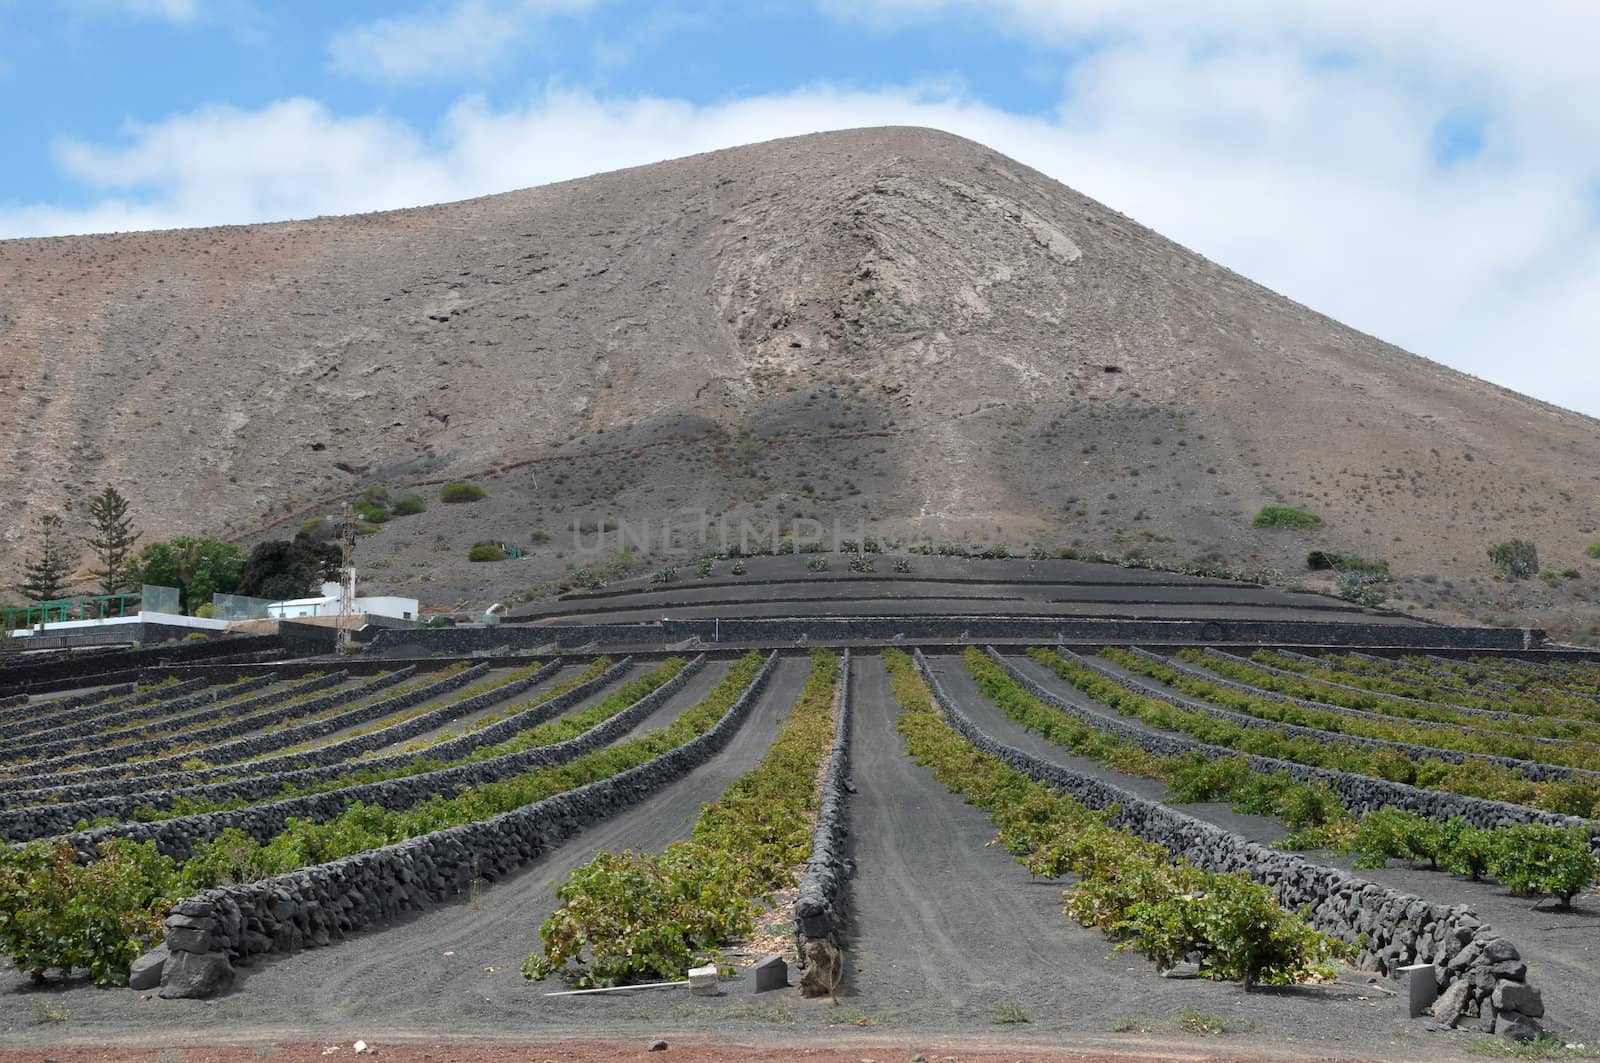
x: 892, y: 325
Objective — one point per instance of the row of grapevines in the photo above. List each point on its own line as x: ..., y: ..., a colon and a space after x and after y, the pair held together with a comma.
x: 1530, y: 859
x: 359, y: 776
x: 1567, y: 755
x: 1477, y: 779
x: 56, y: 913
x: 1396, y: 678
x: 635, y: 916
x: 1128, y: 888
x: 1365, y: 701
x: 1189, y: 777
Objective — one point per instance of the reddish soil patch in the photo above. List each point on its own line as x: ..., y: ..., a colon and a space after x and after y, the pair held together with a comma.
x: 591, y: 1052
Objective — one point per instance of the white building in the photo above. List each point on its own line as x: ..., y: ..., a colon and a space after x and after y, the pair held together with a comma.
x: 327, y: 604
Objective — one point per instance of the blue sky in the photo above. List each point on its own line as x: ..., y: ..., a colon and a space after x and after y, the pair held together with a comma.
x: 1429, y: 173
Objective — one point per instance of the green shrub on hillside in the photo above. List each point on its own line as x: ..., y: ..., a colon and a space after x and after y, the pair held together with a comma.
x: 1324, y: 560
x: 371, y: 512
x: 1285, y: 517
x: 1593, y: 549
x: 462, y: 492
x: 1517, y: 558
x: 486, y: 552
x: 407, y: 505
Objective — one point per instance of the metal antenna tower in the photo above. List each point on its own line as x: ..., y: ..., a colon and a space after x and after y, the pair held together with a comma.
x: 347, y: 580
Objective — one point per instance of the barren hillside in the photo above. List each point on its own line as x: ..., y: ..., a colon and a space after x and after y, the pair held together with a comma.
x: 890, y: 325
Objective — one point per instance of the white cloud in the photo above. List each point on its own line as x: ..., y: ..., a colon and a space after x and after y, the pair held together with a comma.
x: 1312, y: 177
x: 465, y: 37
x: 220, y: 165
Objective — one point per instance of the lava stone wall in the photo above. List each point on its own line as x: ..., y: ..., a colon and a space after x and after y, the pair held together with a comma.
x: 187, y: 715
x: 263, y: 782
x: 1357, y: 793
x: 316, y: 905
x: 58, y: 674
x: 819, y: 904
x: 788, y: 631
x: 1393, y: 929
x: 1377, y: 715
x: 118, y: 698
x: 177, y: 836
x: 24, y: 708
x: 1528, y: 769
x: 99, y: 782
x: 118, y: 754
x: 1284, y: 673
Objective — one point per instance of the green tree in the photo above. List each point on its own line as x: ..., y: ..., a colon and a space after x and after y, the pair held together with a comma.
x: 289, y: 568
x: 199, y: 568
x: 112, y: 540
x: 45, y: 576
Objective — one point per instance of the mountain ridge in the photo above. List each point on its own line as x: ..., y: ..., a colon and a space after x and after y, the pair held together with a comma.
x: 1040, y: 368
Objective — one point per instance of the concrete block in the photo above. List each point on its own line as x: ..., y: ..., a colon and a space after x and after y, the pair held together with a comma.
x: 771, y: 973
x: 1421, y: 988
x: 703, y: 980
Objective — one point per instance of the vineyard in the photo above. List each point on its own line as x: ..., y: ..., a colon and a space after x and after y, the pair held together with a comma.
x: 1285, y: 835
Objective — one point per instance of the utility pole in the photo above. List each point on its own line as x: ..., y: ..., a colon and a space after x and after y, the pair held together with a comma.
x: 347, y: 580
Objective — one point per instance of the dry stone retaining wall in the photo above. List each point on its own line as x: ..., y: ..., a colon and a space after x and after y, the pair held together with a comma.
x: 78, y: 671
x: 147, y: 701
x: 25, y: 708
x: 1527, y: 768
x: 108, y: 714
x: 789, y: 630
x: 265, y: 781
x: 253, y: 746
x: 1322, y: 706
x: 105, y: 784
x: 819, y: 903
x: 1357, y: 793
x: 1394, y: 929
x: 313, y: 906
x: 1284, y: 673
x: 185, y: 717
x: 177, y: 836
x: 118, y: 754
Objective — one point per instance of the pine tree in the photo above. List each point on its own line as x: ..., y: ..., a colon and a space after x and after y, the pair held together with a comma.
x: 113, y: 539
x: 45, y: 579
